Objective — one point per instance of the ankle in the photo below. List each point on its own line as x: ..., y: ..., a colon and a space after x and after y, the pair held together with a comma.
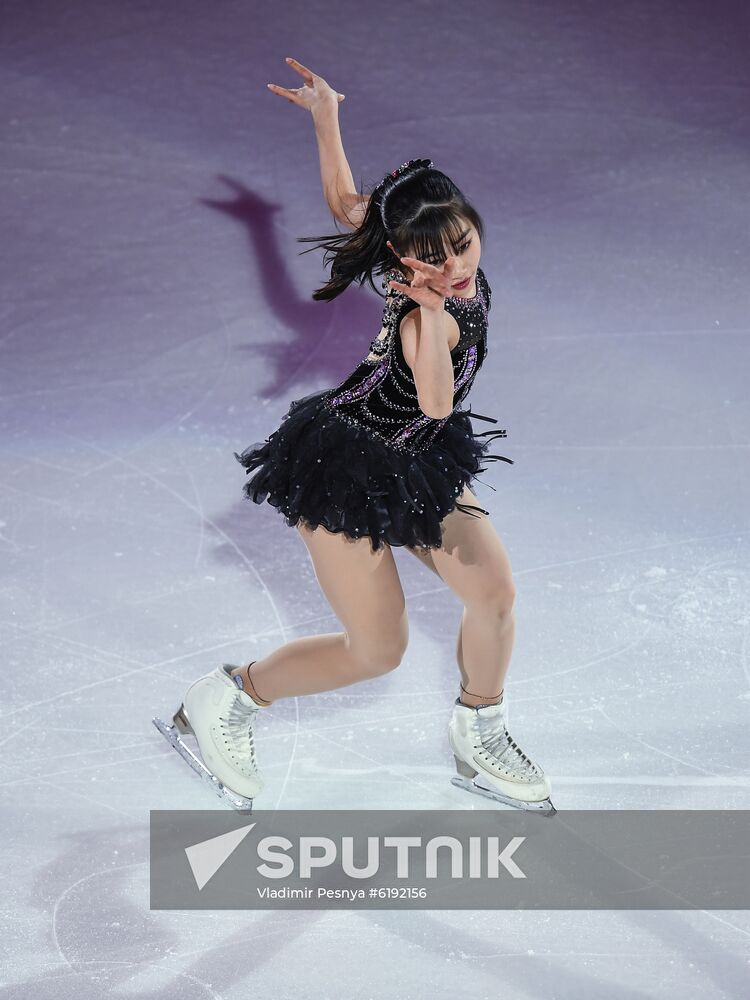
x: 471, y: 700
x: 247, y: 685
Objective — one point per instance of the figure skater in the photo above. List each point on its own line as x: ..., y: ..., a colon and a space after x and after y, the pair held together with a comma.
x: 384, y: 458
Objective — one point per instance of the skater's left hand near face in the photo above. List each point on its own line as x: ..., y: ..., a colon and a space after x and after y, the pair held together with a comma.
x: 430, y: 285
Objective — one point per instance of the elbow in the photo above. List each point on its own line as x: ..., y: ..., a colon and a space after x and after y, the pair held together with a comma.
x: 435, y: 396
x: 435, y: 410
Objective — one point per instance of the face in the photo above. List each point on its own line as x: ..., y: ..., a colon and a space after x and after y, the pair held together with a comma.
x: 467, y: 257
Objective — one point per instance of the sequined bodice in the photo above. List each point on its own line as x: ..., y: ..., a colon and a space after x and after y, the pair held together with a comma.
x: 381, y: 395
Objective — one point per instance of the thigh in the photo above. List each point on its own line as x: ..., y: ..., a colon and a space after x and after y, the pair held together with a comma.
x: 472, y: 559
x: 362, y: 586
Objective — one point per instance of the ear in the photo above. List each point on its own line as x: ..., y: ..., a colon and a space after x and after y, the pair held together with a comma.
x: 397, y: 255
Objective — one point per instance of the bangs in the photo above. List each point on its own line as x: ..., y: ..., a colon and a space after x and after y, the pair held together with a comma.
x: 433, y: 228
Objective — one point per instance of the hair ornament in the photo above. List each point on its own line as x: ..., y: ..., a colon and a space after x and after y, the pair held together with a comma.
x: 408, y: 165
x: 385, y: 185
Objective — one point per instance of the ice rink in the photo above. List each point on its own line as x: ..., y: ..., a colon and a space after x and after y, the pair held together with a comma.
x: 157, y: 316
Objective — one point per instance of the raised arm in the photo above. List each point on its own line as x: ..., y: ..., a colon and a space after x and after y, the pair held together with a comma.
x: 344, y: 201
x: 318, y: 97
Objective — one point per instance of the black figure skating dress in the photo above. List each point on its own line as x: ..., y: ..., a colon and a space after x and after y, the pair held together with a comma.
x: 362, y: 458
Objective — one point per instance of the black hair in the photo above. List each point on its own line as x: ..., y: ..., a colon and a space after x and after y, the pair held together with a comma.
x: 419, y: 210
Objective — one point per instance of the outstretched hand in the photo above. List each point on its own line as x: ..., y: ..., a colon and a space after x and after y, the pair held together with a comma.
x: 430, y: 285
x: 313, y: 94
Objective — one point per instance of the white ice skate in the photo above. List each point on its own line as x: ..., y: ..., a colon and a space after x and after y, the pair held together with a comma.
x: 490, y: 763
x: 220, y: 715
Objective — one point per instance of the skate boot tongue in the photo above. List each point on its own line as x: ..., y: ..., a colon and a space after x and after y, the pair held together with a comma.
x: 493, y: 728
x: 491, y: 712
x: 495, y: 715
x: 236, y: 681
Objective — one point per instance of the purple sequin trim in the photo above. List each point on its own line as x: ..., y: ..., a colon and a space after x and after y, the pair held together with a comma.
x: 469, y: 366
x: 412, y: 428
x: 364, y: 387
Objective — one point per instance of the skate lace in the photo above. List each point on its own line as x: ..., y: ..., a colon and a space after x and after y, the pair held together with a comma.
x: 238, y: 724
x: 497, y: 741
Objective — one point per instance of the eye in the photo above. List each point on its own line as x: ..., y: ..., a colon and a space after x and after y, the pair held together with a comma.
x: 462, y: 249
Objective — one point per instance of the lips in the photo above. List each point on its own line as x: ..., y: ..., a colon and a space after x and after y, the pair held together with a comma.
x: 461, y: 284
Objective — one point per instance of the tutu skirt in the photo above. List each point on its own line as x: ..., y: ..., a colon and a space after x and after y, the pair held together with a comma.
x: 321, y: 469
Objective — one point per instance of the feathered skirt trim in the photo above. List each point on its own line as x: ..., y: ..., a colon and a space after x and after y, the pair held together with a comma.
x: 321, y: 469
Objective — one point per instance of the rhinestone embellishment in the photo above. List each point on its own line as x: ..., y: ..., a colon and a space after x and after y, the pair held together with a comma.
x: 383, y: 399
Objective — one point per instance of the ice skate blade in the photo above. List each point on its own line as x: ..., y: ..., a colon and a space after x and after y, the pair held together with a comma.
x: 172, y: 735
x: 543, y: 807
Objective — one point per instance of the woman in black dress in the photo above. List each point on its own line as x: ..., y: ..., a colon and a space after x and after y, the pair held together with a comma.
x: 385, y: 458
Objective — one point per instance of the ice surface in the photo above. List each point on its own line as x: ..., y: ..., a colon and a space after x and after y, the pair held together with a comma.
x: 156, y: 316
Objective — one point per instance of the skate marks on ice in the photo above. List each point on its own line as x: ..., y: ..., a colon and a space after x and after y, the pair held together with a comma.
x: 95, y: 893
x: 106, y: 942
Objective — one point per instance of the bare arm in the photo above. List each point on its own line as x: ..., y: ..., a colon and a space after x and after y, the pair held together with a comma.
x: 424, y: 334
x: 322, y: 101
x: 346, y: 204
x: 424, y: 341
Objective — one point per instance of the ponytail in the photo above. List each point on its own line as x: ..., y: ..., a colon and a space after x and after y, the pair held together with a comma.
x: 353, y: 256
x: 415, y: 207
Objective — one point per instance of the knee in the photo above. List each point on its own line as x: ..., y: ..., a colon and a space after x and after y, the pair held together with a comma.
x: 497, y: 597
x: 376, y: 658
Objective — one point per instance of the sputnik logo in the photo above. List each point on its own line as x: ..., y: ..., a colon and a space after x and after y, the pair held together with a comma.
x: 207, y: 857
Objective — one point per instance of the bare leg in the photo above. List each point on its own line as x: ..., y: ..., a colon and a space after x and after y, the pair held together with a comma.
x: 425, y: 557
x: 473, y: 562
x: 364, y: 591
